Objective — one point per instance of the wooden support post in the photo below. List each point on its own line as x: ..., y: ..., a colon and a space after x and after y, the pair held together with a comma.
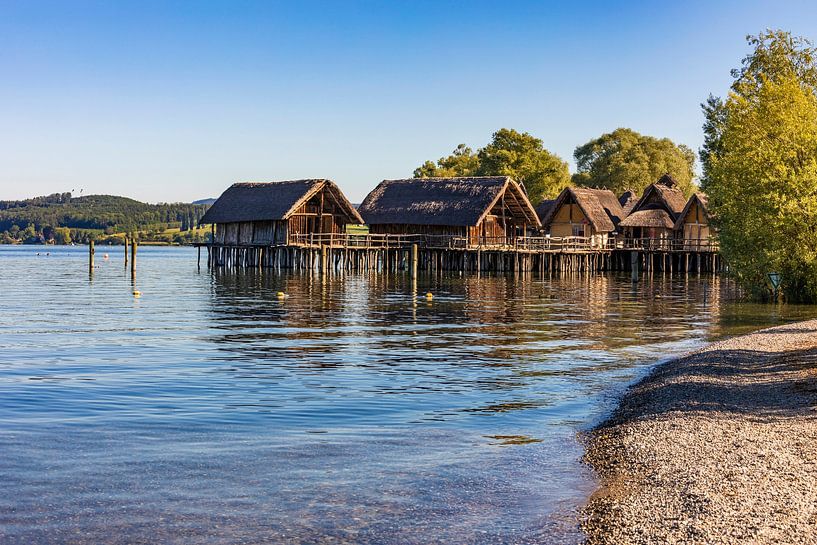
x: 414, y: 259
x: 126, y: 251
x: 323, y: 259
x: 133, y: 246
x: 634, y: 266
x: 91, y: 252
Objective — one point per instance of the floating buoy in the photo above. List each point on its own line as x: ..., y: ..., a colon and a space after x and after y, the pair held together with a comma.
x: 105, y: 256
x: 137, y: 293
x: 280, y: 295
x: 429, y: 296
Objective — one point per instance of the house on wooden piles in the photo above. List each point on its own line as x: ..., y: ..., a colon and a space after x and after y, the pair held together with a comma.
x: 451, y: 212
x: 651, y: 222
x: 583, y: 212
x: 693, y: 227
x: 279, y: 213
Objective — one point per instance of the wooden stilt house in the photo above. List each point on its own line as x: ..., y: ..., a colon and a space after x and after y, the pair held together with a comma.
x: 693, y: 227
x: 651, y: 222
x: 474, y: 211
x: 279, y: 213
x: 583, y: 212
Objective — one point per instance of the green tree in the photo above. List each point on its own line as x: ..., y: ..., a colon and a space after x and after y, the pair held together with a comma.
x: 625, y: 159
x: 62, y: 235
x: 760, y: 166
x: 462, y: 162
x: 510, y: 153
x: 524, y: 158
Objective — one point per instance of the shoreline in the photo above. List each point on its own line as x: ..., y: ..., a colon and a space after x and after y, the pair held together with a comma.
x: 717, y: 446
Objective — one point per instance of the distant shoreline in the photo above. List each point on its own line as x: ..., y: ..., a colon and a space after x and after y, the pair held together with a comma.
x: 719, y: 446
x: 101, y: 244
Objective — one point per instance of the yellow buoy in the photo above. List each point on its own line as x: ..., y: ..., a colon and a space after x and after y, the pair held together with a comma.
x: 429, y: 296
x: 137, y: 293
x: 280, y: 295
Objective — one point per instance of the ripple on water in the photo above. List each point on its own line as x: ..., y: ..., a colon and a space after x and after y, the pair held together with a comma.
x: 208, y: 410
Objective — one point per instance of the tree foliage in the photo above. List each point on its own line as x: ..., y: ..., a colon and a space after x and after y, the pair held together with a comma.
x: 760, y: 166
x: 462, y: 162
x: 47, y: 218
x: 510, y: 153
x: 625, y: 159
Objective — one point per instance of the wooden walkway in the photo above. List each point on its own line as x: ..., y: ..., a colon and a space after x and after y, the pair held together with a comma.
x: 349, y: 252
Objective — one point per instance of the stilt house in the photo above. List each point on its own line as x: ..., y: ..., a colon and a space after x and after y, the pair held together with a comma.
x: 693, y: 226
x: 651, y: 221
x: 584, y: 212
x: 478, y: 211
x: 278, y: 213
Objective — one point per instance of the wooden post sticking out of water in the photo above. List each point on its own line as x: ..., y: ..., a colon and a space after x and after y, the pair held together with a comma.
x: 634, y: 266
x: 414, y: 260
x: 91, y: 252
x: 126, y: 251
x: 133, y: 246
x: 323, y: 259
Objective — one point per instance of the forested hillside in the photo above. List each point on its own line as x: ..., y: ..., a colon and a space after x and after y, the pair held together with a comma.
x: 61, y: 218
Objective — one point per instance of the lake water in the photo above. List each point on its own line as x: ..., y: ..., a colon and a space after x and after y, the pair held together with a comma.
x: 208, y: 410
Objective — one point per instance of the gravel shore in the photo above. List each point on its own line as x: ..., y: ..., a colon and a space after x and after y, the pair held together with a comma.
x: 717, y: 447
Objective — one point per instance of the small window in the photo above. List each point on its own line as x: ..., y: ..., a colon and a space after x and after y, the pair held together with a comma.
x: 578, y: 230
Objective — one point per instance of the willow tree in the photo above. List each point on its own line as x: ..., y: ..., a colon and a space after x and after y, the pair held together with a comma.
x: 760, y: 166
x: 625, y: 159
x: 510, y: 153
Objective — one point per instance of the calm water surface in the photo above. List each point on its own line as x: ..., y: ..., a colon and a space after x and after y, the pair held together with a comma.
x: 210, y: 411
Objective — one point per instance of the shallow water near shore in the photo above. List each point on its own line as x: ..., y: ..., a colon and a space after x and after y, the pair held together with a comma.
x: 208, y: 410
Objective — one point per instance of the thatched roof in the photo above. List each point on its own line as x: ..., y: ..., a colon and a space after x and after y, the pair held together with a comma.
x: 654, y: 217
x: 269, y: 201
x: 702, y: 201
x: 443, y: 201
x: 627, y: 200
x: 665, y: 192
x: 600, y: 206
x: 544, y: 207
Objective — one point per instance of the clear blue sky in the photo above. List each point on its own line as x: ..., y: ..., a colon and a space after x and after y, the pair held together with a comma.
x: 174, y: 101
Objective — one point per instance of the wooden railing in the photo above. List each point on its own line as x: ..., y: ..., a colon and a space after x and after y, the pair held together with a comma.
x: 528, y: 244
x: 347, y: 240
x: 447, y: 242
x: 666, y: 245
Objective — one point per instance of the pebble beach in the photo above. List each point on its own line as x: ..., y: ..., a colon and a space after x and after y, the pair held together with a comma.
x: 719, y: 446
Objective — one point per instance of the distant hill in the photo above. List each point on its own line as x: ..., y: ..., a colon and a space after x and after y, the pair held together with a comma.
x: 91, y: 215
x: 205, y: 201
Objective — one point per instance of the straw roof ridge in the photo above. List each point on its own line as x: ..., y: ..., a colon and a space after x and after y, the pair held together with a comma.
x: 668, y: 194
x: 600, y: 206
x: 652, y: 217
x: 458, y: 201
x: 544, y: 207
x: 703, y: 201
x: 627, y: 200
x: 667, y: 180
x: 272, y: 201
